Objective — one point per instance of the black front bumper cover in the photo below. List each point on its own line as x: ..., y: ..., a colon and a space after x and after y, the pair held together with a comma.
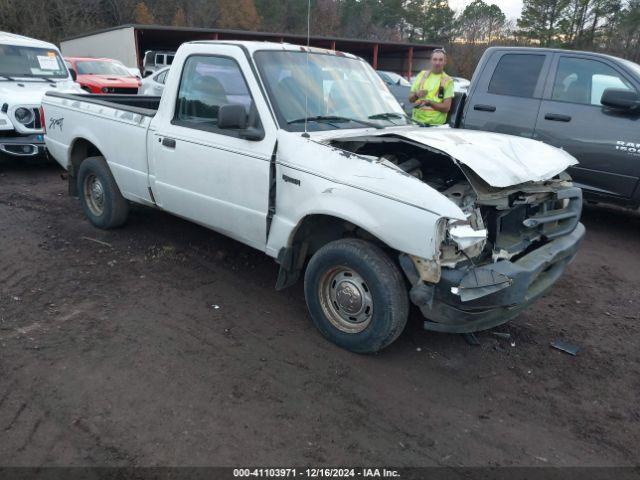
x: 496, y: 292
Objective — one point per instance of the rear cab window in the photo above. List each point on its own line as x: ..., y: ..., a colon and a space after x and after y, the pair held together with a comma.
x: 516, y: 75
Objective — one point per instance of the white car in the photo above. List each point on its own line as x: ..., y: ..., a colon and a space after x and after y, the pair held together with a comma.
x: 304, y: 154
x: 461, y: 85
x: 28, y: 69
x: 154, y: 84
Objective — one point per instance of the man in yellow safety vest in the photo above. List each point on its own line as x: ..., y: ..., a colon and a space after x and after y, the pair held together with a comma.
x: 432, y: 91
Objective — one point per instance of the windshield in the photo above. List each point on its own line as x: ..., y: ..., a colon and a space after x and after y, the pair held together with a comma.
x: 17, y: 61
x: 97, y: 67
x: 338, y: 91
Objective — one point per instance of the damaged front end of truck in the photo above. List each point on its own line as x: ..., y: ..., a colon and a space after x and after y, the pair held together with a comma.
x: 521, y: 230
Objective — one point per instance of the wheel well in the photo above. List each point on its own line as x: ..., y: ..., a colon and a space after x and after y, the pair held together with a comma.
x: 81, y: 150
x: 312, y: 233
x: 318, y: 230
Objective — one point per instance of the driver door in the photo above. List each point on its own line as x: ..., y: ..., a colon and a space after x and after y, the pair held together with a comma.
x: 210, y: 175
x: 572, y: 117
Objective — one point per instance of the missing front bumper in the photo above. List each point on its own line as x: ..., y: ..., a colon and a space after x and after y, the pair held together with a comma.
x: 470, y: 300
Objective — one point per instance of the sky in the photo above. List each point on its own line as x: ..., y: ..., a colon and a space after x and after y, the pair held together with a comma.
x: 511, y: 8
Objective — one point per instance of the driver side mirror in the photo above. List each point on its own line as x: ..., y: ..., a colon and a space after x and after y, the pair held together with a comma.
x: 74, y: 74
x: 233, y: 116
x: 620, y: 99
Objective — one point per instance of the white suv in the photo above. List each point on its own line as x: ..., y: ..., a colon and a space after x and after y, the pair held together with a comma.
x: 28, y: 69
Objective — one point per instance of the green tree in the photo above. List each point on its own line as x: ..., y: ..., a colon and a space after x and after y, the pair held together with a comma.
x: 288, y: 16
x: 481, y: 23
x: 541, y: 20
x: 623, y: 32
x: 430, y: 20
x: 240, y: 14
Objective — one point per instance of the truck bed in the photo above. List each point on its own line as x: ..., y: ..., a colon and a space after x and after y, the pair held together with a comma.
x: 112, y: 126
x: 140, y: 104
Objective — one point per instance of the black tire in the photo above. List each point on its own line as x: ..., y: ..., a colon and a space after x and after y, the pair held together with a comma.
x: 381, y: 281
x: 114, y: 208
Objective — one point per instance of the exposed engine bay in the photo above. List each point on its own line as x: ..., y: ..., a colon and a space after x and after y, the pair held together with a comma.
x: 502, y: 223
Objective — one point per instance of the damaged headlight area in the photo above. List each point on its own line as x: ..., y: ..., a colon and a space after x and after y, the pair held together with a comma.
x: 460, y: 241
x: 464, y: 240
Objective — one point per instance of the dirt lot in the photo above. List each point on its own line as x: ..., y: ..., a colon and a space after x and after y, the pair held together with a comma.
x: 171, y: 347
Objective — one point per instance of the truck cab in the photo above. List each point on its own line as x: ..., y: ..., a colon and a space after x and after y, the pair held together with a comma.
x: 584, y: 102
x: 28, y: 69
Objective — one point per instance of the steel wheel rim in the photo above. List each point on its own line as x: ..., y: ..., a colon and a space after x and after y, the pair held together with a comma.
x: 94, y: 194
x: 346, y: 299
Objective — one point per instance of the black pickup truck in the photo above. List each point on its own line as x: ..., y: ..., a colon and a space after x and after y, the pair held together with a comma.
x: 586, y: 103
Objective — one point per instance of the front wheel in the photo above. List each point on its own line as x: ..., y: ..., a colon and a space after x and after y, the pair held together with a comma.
x: 356, y: 295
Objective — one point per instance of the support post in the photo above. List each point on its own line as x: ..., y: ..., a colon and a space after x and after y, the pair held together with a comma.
x: 375, y: 56
x: 410, y: 62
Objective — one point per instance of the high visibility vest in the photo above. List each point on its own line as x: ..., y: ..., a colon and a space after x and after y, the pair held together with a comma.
x: 443, y: 83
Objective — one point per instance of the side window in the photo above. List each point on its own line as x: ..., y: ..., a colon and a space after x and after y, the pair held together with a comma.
x: 207, y: 83
x: 580, y: 80
x: 159, y: 59
x: 170, y: 59
x: 161, y: 78
x: 516, y: 75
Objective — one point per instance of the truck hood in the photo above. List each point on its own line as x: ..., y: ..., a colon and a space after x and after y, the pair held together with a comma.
x: 31, y: 93
x: 500, y: 160
x: 364, y: 173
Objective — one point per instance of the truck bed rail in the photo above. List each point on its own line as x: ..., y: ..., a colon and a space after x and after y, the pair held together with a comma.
x: 142, y: 105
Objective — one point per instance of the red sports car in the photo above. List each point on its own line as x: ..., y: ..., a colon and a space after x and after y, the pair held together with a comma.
x: 102, y: 75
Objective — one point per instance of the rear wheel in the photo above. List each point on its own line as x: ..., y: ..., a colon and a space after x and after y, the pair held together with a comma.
x: 101, y: 200
x: 356, y: 295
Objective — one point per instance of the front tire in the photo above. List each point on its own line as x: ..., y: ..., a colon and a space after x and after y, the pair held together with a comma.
x: 100, y: 197
x: 356, y: 295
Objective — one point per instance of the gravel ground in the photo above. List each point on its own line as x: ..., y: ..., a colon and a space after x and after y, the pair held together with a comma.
x: 163, y: 343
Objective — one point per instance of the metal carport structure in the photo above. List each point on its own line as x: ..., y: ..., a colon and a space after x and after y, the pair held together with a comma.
x: 400, y: 57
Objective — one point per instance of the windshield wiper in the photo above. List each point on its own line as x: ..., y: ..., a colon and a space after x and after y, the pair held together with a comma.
x: 333, y: 118
x: 386, y: 116
x: 390, y: 115
x: 28, y: 78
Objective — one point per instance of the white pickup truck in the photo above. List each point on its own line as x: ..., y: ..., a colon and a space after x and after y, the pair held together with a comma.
x: 305, y: 155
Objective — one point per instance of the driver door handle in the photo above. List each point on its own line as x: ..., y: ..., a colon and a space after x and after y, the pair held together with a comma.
x: 557, y: 117
x: 168, y: 142
x: 484, y: 108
